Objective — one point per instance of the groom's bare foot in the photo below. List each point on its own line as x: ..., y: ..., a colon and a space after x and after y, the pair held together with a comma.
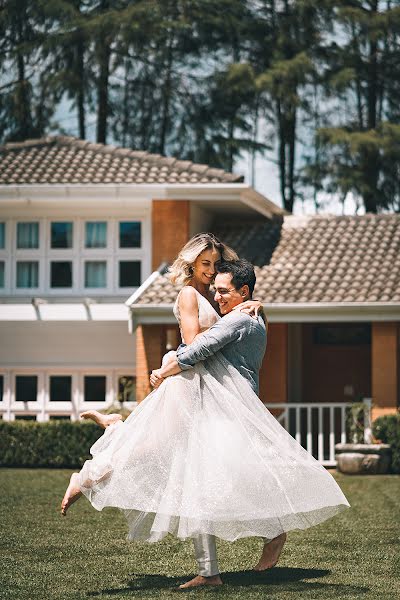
x: 103, y: 420
x: 71, y: 495
x: 271, y: 553
x: 199, y: 581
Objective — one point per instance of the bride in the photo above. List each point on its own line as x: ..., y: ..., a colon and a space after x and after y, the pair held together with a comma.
x: 200, y: 458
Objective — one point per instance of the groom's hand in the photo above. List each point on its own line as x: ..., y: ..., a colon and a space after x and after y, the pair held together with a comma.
x: 156, y: 378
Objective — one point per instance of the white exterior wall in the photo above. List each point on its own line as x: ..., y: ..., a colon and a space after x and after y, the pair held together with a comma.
x: 40, y: 344
x: 73, y: 338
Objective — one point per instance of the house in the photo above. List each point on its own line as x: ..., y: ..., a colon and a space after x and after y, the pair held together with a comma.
x: 82, y: 227
x: 331, y: 291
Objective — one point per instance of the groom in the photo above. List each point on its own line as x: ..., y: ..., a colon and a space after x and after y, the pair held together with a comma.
x: 242, y: 341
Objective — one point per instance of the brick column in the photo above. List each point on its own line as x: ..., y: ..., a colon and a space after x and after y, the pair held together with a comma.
x: 150, y: 345
x: 170, y: 229
x: 385, y: 368
x: 274, y: 372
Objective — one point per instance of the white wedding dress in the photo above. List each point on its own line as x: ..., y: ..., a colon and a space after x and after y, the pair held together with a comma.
x: 202, y: 454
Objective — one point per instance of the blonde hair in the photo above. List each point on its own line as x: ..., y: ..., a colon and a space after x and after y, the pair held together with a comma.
x: 181, y: 271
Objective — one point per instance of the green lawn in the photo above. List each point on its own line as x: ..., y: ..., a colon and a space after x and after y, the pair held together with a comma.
x: 85, y: 555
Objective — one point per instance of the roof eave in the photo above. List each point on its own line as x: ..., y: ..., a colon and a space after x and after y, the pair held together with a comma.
x: 290, y: 313
x: 226, y: 192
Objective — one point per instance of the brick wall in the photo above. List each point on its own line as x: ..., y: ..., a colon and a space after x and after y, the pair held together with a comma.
x: 273, y: 374
x: 170, y: 229
x: 150, y: 347
x: 385, y: 368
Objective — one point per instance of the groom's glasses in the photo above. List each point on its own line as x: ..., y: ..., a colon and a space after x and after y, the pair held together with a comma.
x: 224, y: 291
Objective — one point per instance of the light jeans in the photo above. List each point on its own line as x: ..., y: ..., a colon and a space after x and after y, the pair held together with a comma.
x: 205, y: 551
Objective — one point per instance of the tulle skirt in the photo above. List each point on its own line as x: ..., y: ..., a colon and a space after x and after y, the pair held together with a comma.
x: 202, y: 454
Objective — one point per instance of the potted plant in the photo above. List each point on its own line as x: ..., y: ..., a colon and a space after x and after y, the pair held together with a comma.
x: 120, y: 405
x: 364, y: 454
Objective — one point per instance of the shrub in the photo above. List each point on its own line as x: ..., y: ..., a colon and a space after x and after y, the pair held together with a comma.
x: 387, y: 429
x: 56, y: 444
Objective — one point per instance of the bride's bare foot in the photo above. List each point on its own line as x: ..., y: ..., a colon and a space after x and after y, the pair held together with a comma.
x: 200, y: 580
x: 271, y: 553
x: 103, y: 420
x: 71, y: 495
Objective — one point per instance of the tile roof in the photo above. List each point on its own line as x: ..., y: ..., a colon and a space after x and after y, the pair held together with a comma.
x: 69, y: 160
x: 319, y: 259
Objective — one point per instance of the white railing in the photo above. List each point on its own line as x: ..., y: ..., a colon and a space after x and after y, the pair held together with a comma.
x: 318, y: 426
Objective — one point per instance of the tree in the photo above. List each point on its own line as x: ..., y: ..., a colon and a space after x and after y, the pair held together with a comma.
x: 26, y: 106
x: 364, y: 73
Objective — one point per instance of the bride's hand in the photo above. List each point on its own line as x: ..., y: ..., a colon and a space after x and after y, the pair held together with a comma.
x: 253, y: 308
x: 156, y: 378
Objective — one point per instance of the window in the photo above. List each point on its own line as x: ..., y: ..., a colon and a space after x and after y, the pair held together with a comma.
x: 26, y: 388
x: 59, y: 418
x: 2, y: 235
x: 27, y: 235
x: 96, y: 234
x: 346, y: 334
x: 61, y: 274
x: 61, y: 234
x: 1, y: 273
x: 1, y: 387
x: 60, y: 388
x: 96, y: 274
x: 25, y: 418
x: 27, y: 274
x: 126, y: 388
x: 129, y: 273
x: 95, y: 388
x: 130, y: 234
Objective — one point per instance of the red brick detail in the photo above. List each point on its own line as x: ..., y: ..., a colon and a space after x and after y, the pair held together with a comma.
x: 170, y: 229
x: 150, y: 346
x: 385, y: 368
x: 273, y: 373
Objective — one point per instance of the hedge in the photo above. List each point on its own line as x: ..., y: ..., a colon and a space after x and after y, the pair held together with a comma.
x: 64, y: 444
x: 387, y: 429
x: 57, y: 444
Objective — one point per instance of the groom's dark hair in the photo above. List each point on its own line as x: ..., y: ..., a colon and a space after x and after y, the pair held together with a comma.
x: 242, y: 273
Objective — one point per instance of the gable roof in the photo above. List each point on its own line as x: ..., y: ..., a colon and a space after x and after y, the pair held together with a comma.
x: 69, y: 160
x: 309, y: 260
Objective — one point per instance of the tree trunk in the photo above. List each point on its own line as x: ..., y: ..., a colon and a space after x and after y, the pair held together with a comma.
x: 166, y: 98
x: 81, y: 87
x: 22, y: 100
x: 292, y: 160
x: 281, y: 152
x: 102, y: 91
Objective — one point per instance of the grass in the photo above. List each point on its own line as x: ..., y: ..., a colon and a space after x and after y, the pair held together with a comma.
x: 84, y: 556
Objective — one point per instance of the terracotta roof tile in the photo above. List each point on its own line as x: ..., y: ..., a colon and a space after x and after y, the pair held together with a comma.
x: 63, y: 159
x: 312, y: 259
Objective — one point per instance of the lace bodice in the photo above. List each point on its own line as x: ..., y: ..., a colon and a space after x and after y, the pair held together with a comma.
x: 207, y: 314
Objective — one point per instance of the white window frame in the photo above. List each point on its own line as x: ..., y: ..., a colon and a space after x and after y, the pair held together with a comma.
x: 123, y: 373
x: 62, y: 255
x: 78, y: 255
x: 28, y: 408
x: 26, y: 255
x: 109, y: 389
x: 43, y: 408
x: 5, y: 255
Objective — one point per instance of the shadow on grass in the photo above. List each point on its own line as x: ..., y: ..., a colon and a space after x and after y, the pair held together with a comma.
x: 291, y: 578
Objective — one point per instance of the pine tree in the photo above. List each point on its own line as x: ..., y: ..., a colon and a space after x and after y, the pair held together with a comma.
x: 26, y: 105
x: 361, y: 148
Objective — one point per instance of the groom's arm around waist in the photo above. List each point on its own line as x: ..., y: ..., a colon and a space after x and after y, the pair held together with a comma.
x: 225, y: 331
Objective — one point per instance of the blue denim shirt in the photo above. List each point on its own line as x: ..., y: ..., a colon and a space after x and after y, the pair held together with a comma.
x: 240, y: 338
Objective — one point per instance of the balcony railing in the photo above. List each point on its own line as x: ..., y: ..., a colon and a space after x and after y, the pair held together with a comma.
x: 318, y: 427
